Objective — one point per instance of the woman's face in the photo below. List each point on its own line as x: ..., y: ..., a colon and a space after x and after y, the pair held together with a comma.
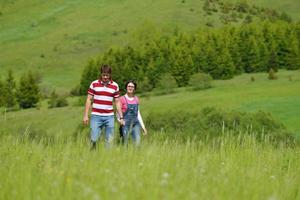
x: 130, y: 88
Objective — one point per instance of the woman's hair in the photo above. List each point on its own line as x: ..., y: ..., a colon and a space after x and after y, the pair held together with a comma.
x: 131, y: 81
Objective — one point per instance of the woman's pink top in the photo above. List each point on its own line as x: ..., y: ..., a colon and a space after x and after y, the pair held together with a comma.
x: 135, y: 100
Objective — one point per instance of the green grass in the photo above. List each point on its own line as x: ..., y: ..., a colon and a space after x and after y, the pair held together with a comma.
x: 280, y: 97
x: 159, y: 170
x: 228, y: 167
x: 57, y: 38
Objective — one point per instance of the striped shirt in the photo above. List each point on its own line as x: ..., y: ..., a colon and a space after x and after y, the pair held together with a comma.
x: 103, y: 96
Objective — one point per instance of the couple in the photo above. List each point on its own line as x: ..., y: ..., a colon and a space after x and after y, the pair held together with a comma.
x: 102, y: 93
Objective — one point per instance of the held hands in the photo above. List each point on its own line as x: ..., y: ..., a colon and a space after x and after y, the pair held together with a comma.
x: 122, y: 121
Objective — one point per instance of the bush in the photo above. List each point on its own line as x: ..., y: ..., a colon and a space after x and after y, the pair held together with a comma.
x: 272, y: 75
x: 57, y: 101
x: 211, y: 123
x: 145, y: 86
x: 200, y: 81
x: 75, y: 91
x: 166, y: 84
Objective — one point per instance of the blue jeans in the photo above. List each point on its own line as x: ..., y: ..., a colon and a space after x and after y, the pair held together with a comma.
x: 135, y: 132
x: 97, y: 123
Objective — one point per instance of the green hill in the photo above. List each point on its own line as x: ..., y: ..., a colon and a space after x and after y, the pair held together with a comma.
x: 56, y: 38
x: 279, y: 97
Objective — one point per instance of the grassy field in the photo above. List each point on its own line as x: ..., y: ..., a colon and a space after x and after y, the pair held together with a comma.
x: 238, y: 169
x: 57, y: 38
x: 279, y: 97
x: 225, y: 168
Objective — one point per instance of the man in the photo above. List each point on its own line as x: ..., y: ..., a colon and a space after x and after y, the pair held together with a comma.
x: 102, y: 92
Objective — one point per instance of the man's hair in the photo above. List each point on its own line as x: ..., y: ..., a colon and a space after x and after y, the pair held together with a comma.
x: 105, y: 69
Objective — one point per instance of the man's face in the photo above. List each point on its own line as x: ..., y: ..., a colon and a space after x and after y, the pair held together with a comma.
x: 105, y: 77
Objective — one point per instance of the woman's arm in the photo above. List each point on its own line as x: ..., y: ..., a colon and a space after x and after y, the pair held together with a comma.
x: 142, y: 123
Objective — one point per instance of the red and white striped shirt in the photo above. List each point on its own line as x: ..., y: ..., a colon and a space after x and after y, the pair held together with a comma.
x: 103, y: 96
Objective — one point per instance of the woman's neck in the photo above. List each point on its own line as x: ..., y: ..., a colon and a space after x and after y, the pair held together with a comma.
x: 130, y: 95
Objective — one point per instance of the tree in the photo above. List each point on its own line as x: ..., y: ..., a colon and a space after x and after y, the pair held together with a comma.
x: 1, y: 93
x: 273, y: 58
x: 182, y: 67
x: 28, y: 91
x: 293, y: 55
x: 251, y: 56
x: 10, y: 99
x: 224, y: 65
x: 89, y: 74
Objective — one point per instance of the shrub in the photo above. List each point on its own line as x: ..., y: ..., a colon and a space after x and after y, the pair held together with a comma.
x: 166, y: 84
x: 57, y: 101
x: 272, y: 75
x: 200, y: 81
x: 75, y: 91
x: 211, y: 123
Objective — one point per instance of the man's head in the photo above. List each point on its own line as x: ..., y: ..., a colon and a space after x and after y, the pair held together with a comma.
x: 105, y: 73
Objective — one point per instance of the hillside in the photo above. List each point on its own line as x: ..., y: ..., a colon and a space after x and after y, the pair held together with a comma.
x: 279, y: 97
x: 56, y: 38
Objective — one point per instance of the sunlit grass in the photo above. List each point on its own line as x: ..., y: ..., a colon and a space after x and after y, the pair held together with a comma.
x: 229, y: 168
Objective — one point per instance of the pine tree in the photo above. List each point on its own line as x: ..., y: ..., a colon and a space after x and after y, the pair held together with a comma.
x: 251, y: 57
x: 182, y: 67
x: 28, y: 91
x: 235, y: 53
x: 1, y: 93
x: 273, y: 58
x: 53, y: 100
x: 224, y: 65
x: 89, y: 74
x: 282, y: 40
x: 10, y: 99
x: 293, y: 54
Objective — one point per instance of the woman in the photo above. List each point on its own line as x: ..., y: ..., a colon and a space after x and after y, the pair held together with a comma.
x: 132, y: 119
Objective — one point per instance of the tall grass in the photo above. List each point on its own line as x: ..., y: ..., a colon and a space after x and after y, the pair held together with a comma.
x: 227, y: 168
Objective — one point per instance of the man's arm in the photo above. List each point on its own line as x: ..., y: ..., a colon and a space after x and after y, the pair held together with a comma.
x: 119, y: 110
x: 87, y: 109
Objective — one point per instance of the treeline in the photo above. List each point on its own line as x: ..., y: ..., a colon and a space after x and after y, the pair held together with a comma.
x: 222, y: 53
x: 241, y: 11
x: 25, y: 94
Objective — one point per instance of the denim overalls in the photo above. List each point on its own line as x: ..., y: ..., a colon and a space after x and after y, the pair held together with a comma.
x: 131, y: 124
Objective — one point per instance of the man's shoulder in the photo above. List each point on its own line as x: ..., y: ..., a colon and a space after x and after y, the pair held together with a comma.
x: 114, y: 83
x: 95, y: 81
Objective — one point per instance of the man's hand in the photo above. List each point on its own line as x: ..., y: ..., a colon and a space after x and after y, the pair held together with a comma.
x: 122, y: 122
x: 85, y: 120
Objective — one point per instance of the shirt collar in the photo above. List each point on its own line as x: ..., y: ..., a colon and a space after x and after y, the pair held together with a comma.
x: 109, y: 82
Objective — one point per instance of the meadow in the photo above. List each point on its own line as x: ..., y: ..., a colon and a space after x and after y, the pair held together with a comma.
x: 227, y: 167
x: 45, y: 153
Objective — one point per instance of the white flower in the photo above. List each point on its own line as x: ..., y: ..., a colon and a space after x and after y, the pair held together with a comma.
x: 165, y: 175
